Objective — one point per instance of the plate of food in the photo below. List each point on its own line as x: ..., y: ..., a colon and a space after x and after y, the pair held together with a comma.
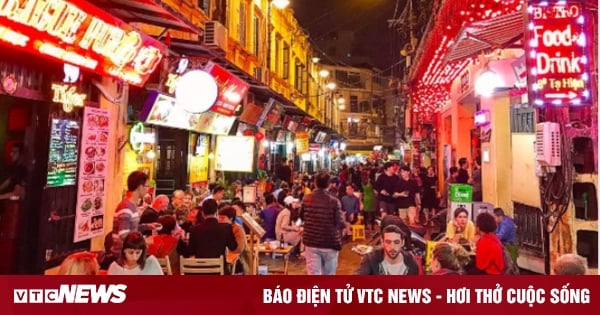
x: 92, y: 137
x: 84, y: 226
x: 103, y: 121
x: 92, y: 120
x: 104, y: 137
x: 362, y: 249
x: 100, y: 167
x: 100, y: 152
x: 88, y: 186
x: 86, y: 205
x: 90, y: 152
x: 88, y: 168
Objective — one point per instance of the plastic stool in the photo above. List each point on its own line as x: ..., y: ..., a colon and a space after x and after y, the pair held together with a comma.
x: 358, y: 232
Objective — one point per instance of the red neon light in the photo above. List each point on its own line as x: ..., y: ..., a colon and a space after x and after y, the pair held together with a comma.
x: 77, y: 32
x: 557, y: 56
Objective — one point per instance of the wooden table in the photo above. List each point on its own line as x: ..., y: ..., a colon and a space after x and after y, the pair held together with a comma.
x: 281, y: 251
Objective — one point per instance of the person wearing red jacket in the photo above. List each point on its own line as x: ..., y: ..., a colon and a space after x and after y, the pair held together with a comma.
x: 489, y: 257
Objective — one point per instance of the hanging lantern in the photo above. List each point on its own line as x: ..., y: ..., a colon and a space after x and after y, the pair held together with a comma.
x: 259, y: 136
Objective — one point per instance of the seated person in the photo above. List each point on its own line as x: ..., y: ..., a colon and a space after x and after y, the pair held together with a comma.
x: 448, y: 259
x: 461, y: 230
x: 390, y: 258
x: 165, y: 244
x: 209, y: 238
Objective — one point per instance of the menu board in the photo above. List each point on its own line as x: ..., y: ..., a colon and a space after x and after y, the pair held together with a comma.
x: 62, y: 159
x: 91, y: 194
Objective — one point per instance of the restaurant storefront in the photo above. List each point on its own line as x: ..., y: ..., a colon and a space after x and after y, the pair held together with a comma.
x: 64, y: 116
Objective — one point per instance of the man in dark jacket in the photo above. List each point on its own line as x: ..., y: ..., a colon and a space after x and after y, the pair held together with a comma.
x: 323, y: 219
x: 209, y: 238
x: 389, y: 259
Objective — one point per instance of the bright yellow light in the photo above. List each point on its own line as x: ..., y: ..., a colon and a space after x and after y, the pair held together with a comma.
x: 281, y: 4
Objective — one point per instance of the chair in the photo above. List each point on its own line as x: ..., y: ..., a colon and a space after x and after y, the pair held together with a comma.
x: 201, y: 265
x: 165, y: 265
x: 358, y: 229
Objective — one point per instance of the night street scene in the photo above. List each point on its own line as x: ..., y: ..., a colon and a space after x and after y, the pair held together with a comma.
x: 299, y: 137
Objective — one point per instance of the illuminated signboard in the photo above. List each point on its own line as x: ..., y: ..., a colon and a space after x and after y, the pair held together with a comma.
x: 138, y: 138
x: 232, y: 89
x: 81, y: 34
x: 67, y: 96
x: 558, y: 54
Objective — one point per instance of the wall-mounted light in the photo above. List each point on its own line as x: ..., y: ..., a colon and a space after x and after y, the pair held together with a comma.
x: 266, y: 143
x: 342, y: 106
x: 150, y: 154
x: 315, y: 59
x: 341, y: 101
x: 331, y: 86
x: 211, y: 156
x: 487, y: 82
x: 324, y: 73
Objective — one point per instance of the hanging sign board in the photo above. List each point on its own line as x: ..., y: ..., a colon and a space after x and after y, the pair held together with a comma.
x: 558, y: 53
x: 81, y: 34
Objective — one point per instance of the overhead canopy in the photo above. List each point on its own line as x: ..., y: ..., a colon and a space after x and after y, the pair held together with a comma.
x: 152, y: 12
x: 487, y: 35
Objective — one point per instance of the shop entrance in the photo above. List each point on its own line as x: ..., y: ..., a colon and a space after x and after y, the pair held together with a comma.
x: 171, y: 161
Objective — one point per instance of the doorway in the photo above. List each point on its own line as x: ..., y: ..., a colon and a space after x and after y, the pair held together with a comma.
x: 171, y: 161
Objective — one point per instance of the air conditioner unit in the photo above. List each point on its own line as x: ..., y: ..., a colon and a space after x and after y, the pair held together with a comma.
x: 547, y: 144
x: 215, y: 35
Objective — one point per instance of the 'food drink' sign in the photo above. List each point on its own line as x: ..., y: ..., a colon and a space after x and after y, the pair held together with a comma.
x: 557, y: 55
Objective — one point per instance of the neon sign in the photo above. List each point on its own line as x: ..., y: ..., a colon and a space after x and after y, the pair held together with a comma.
x: 138, y: 138
x: 81, y: 34
x: 557, y: 57
x: 67, y: 96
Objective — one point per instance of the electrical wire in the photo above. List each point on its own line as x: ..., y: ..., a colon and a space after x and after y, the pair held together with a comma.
x: 557, y: 188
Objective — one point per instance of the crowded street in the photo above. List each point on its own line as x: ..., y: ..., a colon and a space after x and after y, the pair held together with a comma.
x: 314, y: 137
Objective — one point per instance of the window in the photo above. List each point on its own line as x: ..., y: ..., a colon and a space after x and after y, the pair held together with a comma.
x: 354, y: 104
x: 242, y: 26
x: 522, y: 119
x: 286, y: 61
x: 298, y: 76
x: 275, y: 61
x: 205, y: 6
x: 256, y: 40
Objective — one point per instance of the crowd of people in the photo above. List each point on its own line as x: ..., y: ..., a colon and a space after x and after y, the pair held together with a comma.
x: 314, y: 214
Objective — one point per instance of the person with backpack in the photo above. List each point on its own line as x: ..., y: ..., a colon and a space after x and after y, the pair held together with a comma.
x: 489, y: 255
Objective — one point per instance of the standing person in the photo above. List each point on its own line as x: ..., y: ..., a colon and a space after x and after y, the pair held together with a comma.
x: 430, y: 198
x: 475, y: 180
x: 386, y: 186
x: 408, y: 196
x: 13, y: 183
x: 283, y: 173
x: 463, y: 174
x: 369, y: 204
x: 322, y: 218
x: 452, y: 174
x: 389, y: 259
x: 127, y: 217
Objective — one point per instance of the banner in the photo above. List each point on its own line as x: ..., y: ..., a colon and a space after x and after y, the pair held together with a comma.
x: 301, y: 142
x: 300, y: 295
x: 93, y: 162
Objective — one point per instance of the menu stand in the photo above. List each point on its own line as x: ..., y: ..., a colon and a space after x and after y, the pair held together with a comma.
x: 256, y: 231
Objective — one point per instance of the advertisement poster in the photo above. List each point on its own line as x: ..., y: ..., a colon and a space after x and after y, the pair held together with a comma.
x: 163, y: 110
x: 198, y: 162
x: 235, y: 154
x: 232, y: 89
x: 301, y: 142
x: 91, y: 193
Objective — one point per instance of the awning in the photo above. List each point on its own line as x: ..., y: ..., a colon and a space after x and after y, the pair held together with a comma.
x: 152, y: 12
x: 486, y: 35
